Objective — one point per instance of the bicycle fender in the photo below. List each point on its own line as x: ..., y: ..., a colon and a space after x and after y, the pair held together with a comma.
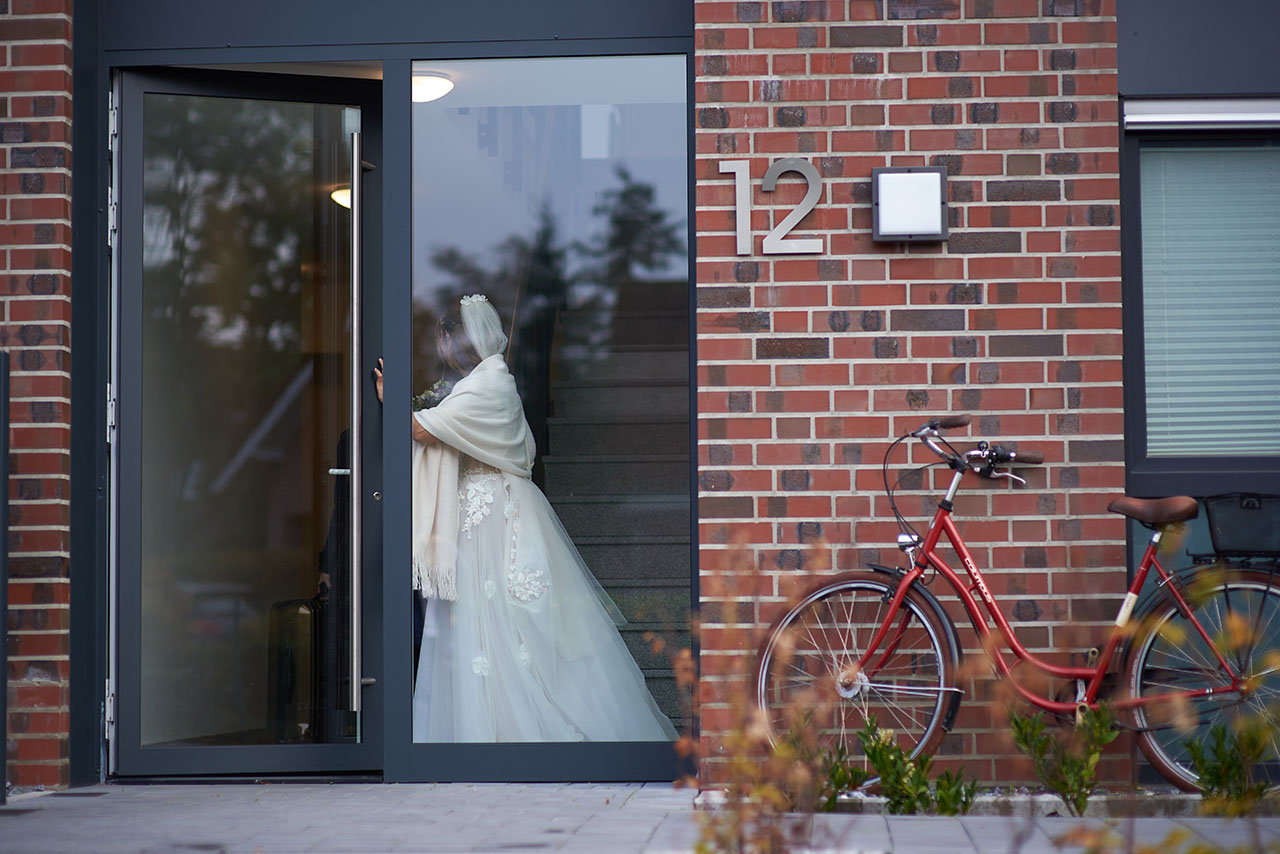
x: 948, y: 626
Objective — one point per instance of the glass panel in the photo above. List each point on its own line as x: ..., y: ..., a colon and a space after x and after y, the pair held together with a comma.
x: 245, y: 341
x: 1211, y: 298
x: 558, y: 188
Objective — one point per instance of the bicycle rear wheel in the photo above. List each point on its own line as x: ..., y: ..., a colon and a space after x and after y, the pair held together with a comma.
x: 1240, y: 611
x: 807, y: 671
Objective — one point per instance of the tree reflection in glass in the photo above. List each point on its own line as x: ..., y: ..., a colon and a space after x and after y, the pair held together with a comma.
x: 558, y: 188
x: 243, y: 342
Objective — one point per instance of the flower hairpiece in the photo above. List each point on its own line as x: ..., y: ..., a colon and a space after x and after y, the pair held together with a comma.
x: 467, y: 300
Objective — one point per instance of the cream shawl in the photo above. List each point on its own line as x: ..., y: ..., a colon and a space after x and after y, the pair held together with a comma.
x: 482, y: 418
x: 435, y: 520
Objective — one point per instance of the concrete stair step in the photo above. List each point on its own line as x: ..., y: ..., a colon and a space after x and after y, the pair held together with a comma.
x: 616, y: 515
x: 609, y: 436
x: 667, y: 605
x: 633, y: 363
x: 651, y: 397
x: 601, y: 326
x: 600, y: 475
x: 667, y: 695
x: 670, y: 294
x: 657, y: 662
x: 636, y: 559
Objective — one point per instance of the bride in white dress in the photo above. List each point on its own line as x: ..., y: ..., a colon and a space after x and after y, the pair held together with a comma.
x: 519, y: 643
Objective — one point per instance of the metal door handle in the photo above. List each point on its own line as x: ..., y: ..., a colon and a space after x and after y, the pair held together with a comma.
x: 357, y: 385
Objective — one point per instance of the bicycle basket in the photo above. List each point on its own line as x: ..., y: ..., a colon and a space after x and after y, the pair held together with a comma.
x: 1244, y: 524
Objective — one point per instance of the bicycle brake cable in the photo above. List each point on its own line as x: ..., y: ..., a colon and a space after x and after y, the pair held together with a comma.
x: 904, y: 525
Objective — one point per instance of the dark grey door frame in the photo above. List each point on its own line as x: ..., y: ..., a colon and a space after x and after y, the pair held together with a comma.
x: 386, y: 322
x: 133, y: 759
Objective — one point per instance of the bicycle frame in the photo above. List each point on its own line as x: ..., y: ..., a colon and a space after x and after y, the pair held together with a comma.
x: 926, y: 556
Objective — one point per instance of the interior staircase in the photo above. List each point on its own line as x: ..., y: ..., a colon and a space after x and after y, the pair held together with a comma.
x: 617, y: 468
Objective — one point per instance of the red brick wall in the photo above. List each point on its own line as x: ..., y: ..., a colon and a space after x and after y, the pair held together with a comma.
x: 35, y: 269
x: 809, y: 364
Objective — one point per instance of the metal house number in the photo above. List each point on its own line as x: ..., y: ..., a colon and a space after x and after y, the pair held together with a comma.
x: 776, y: 241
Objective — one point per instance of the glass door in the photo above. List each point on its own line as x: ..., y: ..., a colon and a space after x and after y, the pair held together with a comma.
x: 246, y: 548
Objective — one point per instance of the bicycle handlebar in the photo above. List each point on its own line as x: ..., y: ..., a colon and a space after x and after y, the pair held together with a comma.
x: 982, y: 459
x: 946, y: 422
x: 1026, y: 458
x: 950, y: 422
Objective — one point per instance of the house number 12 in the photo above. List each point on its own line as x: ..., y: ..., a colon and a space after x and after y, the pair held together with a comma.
x: 776, y: 241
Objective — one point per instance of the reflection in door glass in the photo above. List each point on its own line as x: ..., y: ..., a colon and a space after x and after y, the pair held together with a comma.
x: 558, y: 189
x: 245, y: 344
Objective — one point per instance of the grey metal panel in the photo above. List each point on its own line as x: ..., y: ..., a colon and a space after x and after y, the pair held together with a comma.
x: 128, y: 445
x: 88, y: 391
x: 593, y: 762
x: 1188, y: 47
x: 397, y: 498
x: 153, y: 24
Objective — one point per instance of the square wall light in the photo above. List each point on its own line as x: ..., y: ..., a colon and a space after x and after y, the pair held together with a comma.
x: 909, y: 203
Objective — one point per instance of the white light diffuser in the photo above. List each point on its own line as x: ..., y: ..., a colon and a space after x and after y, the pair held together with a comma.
x: 909, y: 204
x: 430, y: 86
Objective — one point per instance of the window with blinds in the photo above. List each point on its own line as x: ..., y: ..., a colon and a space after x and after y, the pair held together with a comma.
x: 1211, y: 298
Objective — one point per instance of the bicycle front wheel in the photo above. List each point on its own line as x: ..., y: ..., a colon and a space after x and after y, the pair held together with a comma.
x: 809, y: 672
x: 1240, y: 612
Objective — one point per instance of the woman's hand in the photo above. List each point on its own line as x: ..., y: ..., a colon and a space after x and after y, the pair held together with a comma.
x: 421, y: 435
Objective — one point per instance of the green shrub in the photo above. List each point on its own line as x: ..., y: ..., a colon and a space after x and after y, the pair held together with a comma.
x: 904, y: 782
x: 953, y: 795
x: 1066, y: 766
x: 840, y: 776
x: 1226, y: 768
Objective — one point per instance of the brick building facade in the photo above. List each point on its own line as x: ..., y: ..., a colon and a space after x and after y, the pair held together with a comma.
x: 807, y: 365
x: 35, y: 261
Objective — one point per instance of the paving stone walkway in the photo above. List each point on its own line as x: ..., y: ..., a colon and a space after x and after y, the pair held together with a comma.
x: 461, y: 817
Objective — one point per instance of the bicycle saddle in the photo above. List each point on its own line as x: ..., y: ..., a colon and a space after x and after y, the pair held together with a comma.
x: 1156, y: 511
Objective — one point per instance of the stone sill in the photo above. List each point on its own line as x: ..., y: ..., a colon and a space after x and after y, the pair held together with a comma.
x: 1143, y: 804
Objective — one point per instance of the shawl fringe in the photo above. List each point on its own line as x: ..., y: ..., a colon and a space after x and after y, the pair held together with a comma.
x: 435, y: 582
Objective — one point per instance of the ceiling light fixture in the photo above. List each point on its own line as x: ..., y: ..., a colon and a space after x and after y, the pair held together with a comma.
x: 430, y: 86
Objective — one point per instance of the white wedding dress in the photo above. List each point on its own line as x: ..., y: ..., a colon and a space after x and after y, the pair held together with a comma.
x: 519, y: 643
x: 528, y: 651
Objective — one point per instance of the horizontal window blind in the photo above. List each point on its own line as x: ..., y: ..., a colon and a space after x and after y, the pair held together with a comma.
x: 1211, y: 298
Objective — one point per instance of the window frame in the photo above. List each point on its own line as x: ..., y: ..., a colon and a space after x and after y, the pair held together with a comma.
x: 1145, y: 475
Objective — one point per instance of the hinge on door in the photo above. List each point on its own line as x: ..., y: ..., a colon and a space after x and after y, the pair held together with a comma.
x: 113, y: 134
x: 110, y: 702
x: 111, y: 415
x: 111, y: 217
x: 113, y: 121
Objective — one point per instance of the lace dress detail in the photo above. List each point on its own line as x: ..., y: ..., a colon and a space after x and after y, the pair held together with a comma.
x: 524, y: 583
x: 477, y: 486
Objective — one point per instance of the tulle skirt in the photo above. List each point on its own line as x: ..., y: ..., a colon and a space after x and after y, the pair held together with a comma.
x: 530, y: 650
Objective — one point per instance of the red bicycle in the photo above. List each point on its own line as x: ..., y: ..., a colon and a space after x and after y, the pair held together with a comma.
x: 1192, y: 651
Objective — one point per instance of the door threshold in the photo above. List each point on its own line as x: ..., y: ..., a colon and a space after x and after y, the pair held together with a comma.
x: 243, y: 779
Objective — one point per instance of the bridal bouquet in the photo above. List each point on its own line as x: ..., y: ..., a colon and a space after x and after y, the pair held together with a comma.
x: 432, y: 396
